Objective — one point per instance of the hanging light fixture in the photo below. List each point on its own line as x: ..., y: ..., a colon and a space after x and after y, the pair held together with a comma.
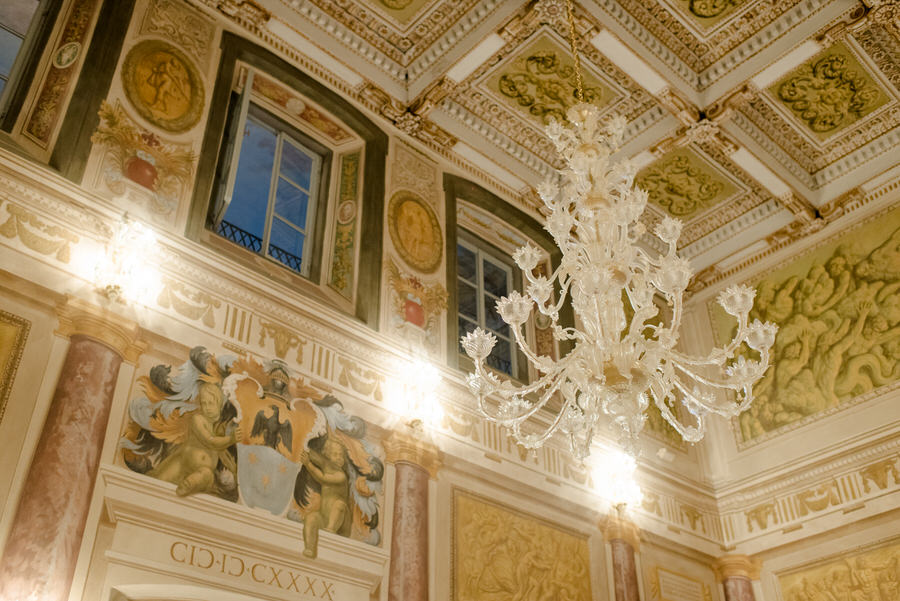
x: 623, y: 354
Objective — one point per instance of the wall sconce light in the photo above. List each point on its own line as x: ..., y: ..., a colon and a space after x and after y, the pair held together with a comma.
x: 410, y: 394
x: 614, y: 480
x: 125, y: 272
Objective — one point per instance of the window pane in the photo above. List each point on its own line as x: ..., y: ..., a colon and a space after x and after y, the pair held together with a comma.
x: 492, y: 319
x: 9, y: 48
x: 250, y: 200
x: 286, y: 244
x: 291, y: 203
x: 465, y: 263
x: 495, y: 278
x: 17, y: 14
x: 296, y: 165
x: 465, y: 326
x: 468, y: 300
x: 500, y: 358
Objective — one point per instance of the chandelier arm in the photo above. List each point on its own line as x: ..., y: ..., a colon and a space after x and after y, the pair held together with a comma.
x: 689, y: 433
x: 536, y: 441
x: 727, y: 412
x: 702, y: 379
x: 535, y: 407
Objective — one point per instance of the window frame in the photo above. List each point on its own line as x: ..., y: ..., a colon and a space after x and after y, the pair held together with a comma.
x: 311, y: 261
x: 234, y: 49
x: 457, y: 188
x: 484, y: 250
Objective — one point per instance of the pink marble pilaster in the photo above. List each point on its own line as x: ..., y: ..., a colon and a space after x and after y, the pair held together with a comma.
x: 624, y: 570
x: 38, y: 562
x: 737, y: 573
x: 738, y: 588
x: 408, y: 578
x: 415, y: 463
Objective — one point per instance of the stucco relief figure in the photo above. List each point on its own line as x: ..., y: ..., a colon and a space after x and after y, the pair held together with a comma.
x: 250, y: 433
x: 839, y: 334
x: 867, y: 576
x: 502, y: 555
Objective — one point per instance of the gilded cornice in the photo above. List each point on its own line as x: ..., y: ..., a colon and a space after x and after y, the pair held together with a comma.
x: 736, y: 566
x: 407, y: 447
x: 80, y: 318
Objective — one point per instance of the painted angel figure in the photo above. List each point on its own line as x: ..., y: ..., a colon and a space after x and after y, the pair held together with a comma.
x: 340, y: 477
x: 182, y: 435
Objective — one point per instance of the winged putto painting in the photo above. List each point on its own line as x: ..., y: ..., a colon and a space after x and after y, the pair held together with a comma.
x: 253, y: 434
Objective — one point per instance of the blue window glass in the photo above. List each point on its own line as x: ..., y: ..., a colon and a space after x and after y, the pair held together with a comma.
x: 272, y: 202
x: 15, y: 20
x: 481, y: 281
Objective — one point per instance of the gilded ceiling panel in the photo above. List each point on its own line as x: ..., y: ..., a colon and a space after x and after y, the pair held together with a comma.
x: 401, y: 34
x: 829, y: 92
x: 401, y: 11
x: 832, y: 104
x: 700, y: 32
x: 536, y: 88
x: 684, y: 184
x: 539, y: 82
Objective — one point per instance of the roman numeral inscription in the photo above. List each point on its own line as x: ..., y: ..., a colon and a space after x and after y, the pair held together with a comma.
x: 250, y: 570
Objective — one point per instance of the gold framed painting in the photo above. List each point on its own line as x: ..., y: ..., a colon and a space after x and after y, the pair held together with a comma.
x: 13, y: 333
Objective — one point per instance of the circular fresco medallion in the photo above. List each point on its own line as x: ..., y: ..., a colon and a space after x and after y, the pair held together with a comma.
x: 415, y: 231
x: 66, y: 55
x: 346, y: 212
x: 163, y: 85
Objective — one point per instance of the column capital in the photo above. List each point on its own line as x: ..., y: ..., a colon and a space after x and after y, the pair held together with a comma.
x: 78, y: 317
x: 408, y: 448
x: 736, y: 566
x: 617, y: 526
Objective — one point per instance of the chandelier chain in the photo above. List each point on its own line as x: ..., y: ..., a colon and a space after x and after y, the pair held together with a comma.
x: 572, y: 37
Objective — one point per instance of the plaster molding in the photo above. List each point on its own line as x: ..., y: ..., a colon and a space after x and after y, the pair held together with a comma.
x: 736, y: 566
x: 617, y: 526
x: 79, y: 318
x: 408, y: 447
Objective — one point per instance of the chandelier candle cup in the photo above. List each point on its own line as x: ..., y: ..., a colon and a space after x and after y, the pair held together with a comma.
x: 623, y: 356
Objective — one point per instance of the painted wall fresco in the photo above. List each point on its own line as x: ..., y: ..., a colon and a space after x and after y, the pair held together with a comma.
x: 13, y: 333
x: 838, y: 311
x: 829, y: 92
x: 871, y: 575
x: 250, y: 433
x: 345, y: 219
x: 500, y: 554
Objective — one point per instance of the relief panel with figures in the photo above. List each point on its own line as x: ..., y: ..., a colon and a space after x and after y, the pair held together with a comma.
x: 871, y: 575
x: 252, y: 434
x: 501, y: 554
x: 838, y: 312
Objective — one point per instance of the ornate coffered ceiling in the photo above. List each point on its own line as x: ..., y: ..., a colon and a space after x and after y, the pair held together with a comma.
x: 754, y: 121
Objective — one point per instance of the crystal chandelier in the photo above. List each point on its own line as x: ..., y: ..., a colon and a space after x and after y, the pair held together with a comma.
x: 623, y: 353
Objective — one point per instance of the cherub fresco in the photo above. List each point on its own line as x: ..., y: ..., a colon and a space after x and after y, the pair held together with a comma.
x: 839, y: 328
x: 250, y: 433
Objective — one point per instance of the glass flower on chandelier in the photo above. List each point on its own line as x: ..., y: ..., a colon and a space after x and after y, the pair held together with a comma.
x: 624, y: 354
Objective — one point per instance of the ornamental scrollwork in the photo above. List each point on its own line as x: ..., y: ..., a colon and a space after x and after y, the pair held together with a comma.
x: 679, y: 185
x: 829, y: 93
x: 707, y: 9
x: 545, y: 86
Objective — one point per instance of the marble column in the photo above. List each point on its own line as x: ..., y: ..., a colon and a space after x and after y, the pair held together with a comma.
x: 44, y: 541
x: 737, y: 573
x: 623, y: 537
x: 415, y: 464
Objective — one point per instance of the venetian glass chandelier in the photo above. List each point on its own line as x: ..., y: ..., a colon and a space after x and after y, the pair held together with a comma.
x: 623, y: 354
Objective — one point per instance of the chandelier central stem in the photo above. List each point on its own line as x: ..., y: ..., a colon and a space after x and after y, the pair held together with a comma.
x: 578, y: 81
